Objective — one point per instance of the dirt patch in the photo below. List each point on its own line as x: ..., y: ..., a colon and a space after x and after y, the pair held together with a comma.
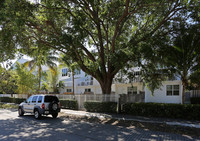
x: 162, y: 127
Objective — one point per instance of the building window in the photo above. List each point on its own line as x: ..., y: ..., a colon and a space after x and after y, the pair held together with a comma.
x: 69, y: 90
x: 132, y: 90
x: 172, y: 90
x: 87, y: 90
x: 77, y: 72
x: 64, y: 72
x: 136, y: 73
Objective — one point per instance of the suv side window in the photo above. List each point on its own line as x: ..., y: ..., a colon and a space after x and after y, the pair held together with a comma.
x: 29, y: 99
x: 40, y: 99
x: 34, y: 99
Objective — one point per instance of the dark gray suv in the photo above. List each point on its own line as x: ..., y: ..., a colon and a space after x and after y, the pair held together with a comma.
x: 40, y: 105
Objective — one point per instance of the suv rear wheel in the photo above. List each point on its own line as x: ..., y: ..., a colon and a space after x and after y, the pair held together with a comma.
x: 55, y: 115
x: 37, y: 114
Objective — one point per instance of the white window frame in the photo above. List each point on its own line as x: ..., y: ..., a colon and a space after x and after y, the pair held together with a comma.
x: 64, y: 72
x: 69, y: 90
x: 173, y: 90
x: 132, y: 90
x: 88, y: 90
x: 77, y: 72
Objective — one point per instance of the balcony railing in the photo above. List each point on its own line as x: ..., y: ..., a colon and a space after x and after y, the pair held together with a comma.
x: 85, y: 83
x: 136, y: 79
x: 68, y: 84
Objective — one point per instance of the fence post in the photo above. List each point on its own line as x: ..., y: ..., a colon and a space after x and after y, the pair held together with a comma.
x: 85, y: 100
x: 79, y: 102
x: 119, y: 105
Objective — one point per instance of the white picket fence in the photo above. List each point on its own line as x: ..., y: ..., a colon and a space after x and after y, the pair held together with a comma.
x: 195, y: 93
x: 81, y: 98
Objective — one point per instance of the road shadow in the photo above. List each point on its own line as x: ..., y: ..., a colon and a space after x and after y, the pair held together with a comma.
x: 48, y: 128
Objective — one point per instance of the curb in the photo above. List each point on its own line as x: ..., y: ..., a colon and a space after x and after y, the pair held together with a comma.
x: 104, y: 116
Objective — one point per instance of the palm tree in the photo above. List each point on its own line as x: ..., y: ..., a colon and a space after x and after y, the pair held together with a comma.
x: 41, y: 58
x: 52, y: 83
x: 184, y: 55
x: 72, y: 66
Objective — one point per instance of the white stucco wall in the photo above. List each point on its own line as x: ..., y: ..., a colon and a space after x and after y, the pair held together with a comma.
x: 160, y: 95
x: 122, y: 88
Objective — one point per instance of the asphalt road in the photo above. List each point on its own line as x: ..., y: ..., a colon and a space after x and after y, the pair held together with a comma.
x: 24, y: 128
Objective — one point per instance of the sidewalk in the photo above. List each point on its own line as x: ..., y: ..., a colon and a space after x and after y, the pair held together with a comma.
x: 102, y: 116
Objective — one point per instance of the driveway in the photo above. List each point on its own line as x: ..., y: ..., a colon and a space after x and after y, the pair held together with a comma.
x: 25, y: 128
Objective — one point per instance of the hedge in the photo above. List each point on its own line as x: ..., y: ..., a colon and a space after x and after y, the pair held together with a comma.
x: 195, y: 100
x: 69, y: 104
x: 12, y: 100
x: 188, y: 111
x: 103, y: 107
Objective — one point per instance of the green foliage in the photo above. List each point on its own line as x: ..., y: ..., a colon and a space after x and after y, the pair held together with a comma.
x: 181, y: 111
x: 100, y: 36
x: 41, y: 57
x: 12, y: 100
x: 183, y: 54
x: 6, y: 99
x: 194, y: 80
x: 69, y: 104
x: 8, y: 83
x: 8, y: 106
x: 195, y: 100
x: 45, y: 86
x: 51, y: 82
x: 103, y: 107
x: 26, y: 81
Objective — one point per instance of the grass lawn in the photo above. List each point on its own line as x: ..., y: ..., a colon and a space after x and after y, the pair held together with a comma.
x: 8, y: 106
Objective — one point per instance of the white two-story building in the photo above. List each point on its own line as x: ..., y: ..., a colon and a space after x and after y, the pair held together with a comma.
x: 169, y: 92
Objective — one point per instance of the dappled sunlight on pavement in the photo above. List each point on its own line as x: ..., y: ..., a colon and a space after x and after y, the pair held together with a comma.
x: 27, y: 128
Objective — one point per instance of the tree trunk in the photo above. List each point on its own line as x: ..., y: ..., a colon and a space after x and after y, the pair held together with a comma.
x: 183, y: 92
x: 73, y: 81
x: 106, y: 85
x: 40, y: 75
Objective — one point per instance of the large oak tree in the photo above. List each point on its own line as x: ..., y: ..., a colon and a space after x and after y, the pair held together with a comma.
x: 100, y: 35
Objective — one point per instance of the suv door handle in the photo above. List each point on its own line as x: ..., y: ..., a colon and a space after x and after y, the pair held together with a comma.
x: 34, y: 104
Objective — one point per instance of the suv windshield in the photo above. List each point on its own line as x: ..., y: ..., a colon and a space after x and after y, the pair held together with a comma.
x: 50, y: 99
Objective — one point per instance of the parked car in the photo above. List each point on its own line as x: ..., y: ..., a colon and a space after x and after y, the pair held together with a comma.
x: 40, y: 105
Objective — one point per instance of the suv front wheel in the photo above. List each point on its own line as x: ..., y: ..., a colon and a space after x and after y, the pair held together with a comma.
x: 20, y: 112
x: 37, y: 114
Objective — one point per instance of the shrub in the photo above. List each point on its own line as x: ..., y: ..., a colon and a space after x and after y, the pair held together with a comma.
x: 69, y: 104
x: 12, y: 100
x: 189, y: 111
x: 6, y: 99
x: 195, y: 100
x: 18, y: 100
x: 107, y: 107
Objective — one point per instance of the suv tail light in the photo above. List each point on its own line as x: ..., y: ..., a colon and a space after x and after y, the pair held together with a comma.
x: 59, y: 105
x: 43, y: 106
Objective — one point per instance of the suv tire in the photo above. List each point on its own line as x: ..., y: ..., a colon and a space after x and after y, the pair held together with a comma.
x: 20, y: 111
x: 53, y: 106
x: 55, y: 115
x: 37, y: 114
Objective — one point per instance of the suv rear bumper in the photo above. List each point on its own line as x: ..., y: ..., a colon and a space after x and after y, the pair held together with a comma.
x: 46, y: 112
